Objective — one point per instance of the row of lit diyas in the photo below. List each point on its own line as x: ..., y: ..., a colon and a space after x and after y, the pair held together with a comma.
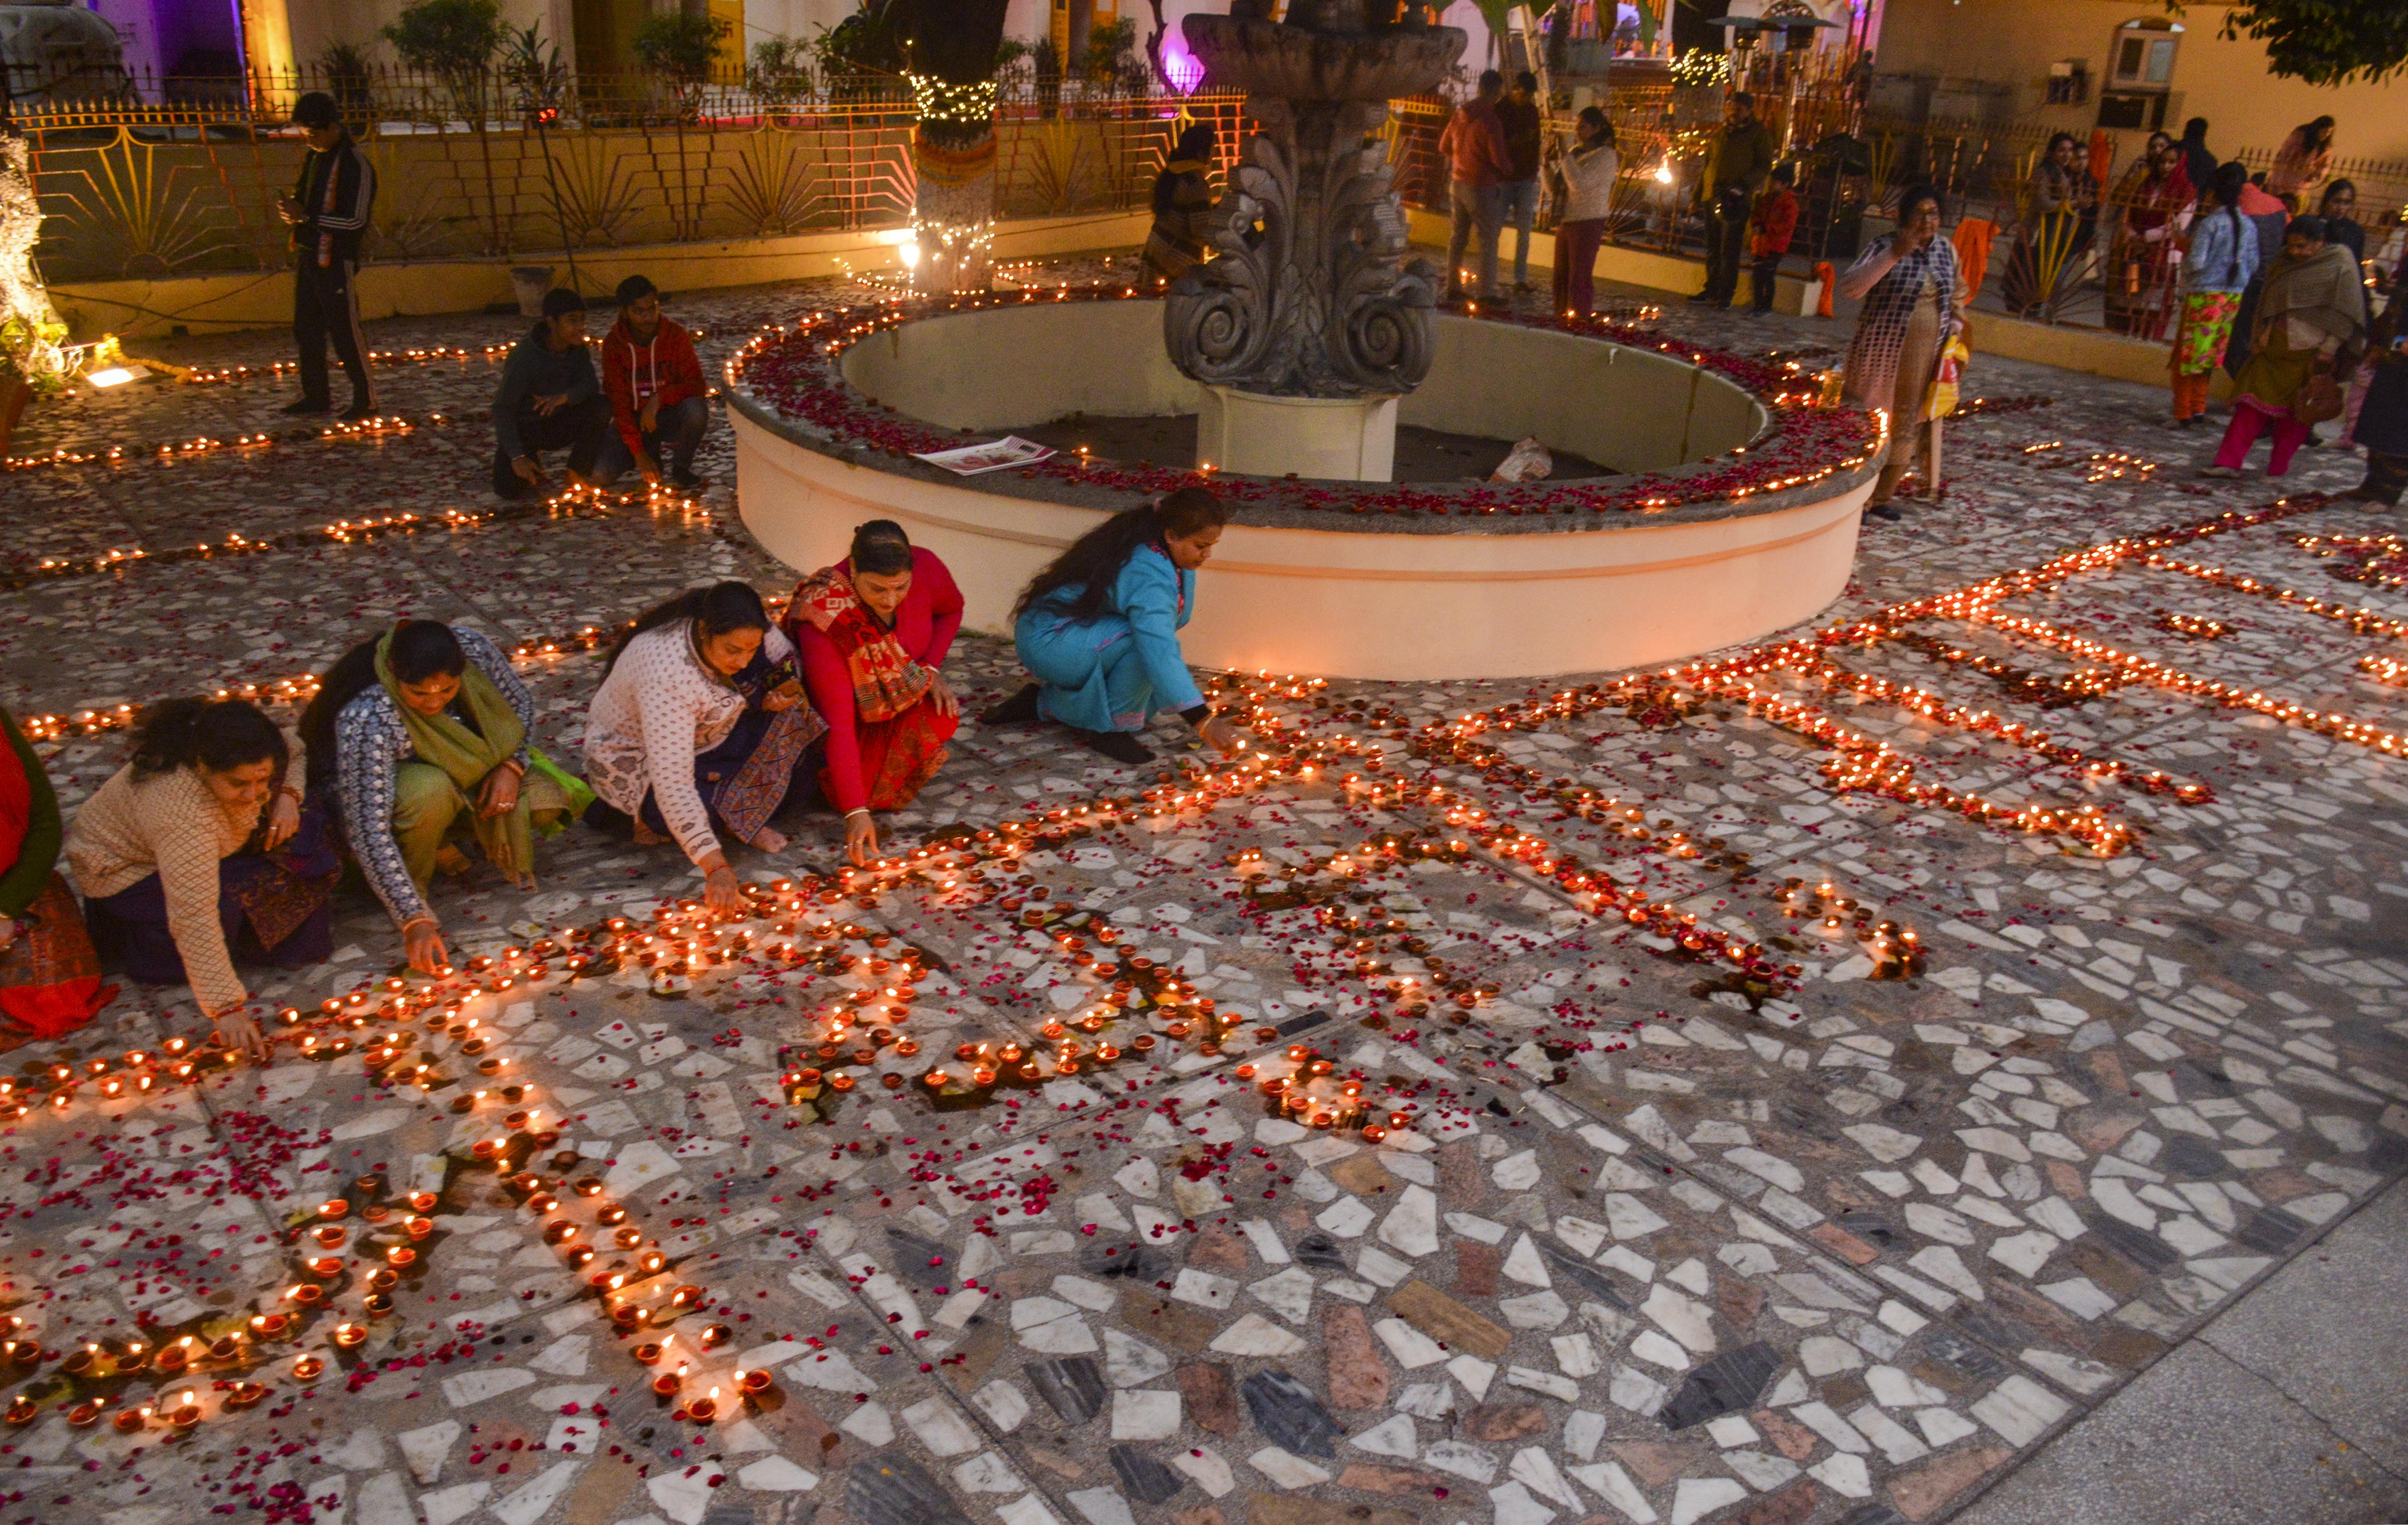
x: 2385, y: 670
x: 2047, y: 690
x: 2376, y: 560
x: 274, y: 370
x: 680, y: 930
x: 2364, y: 621
x: 1865, y: 763
x: 298, y: 689
x: 224, y: 375
x: 1896, y: 951
x: 2196, y: 627
x: 376, y: 426
x: 2340, y: 726
x: 1933, y: 707
x: 2099, y: 465
x: 100, y: 1375
x: 1593, y: 890
x: 565, y: 504
x: 1861, y: 762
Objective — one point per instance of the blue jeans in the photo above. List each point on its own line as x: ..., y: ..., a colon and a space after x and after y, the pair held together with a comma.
x: 1520, y: 208
x: 1480, y: 207
x: 671, y: 446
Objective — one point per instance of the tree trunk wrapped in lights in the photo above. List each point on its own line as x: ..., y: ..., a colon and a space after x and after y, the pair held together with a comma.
x: 951, y: 46
x: 30, y: 330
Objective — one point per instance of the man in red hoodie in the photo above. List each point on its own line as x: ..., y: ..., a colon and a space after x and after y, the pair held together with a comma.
x: 654, y: 383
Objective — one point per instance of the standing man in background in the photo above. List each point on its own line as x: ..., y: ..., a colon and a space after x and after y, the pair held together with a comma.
x: 1737, y: 161
x: 1474, y: 145
x: 329, y: 210
x: 1518, y: 114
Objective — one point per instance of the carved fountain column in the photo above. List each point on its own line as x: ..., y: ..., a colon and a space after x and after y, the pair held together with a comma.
x: 1308, y: 323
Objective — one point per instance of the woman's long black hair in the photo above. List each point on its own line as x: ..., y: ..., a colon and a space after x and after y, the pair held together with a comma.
x: 716, y: 610
x: 220, y: 735
x: 2224, y: 191
x: 2316, y: 132
x: 1094, y: 559
x: 421, y: 650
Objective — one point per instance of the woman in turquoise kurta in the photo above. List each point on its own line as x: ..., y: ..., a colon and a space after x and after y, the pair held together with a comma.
x: 1100, y: 629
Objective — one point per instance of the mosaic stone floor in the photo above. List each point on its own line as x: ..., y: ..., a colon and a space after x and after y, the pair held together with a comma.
x: 1655, y: 1245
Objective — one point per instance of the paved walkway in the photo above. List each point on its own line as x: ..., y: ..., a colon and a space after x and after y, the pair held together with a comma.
x: 2043, y: 1227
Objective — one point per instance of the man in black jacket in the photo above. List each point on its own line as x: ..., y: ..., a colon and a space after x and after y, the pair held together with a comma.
x: 549, y: 399
x: 329, y: 210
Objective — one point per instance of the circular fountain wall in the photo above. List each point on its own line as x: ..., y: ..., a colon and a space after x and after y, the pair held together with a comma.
x: 1468, y: 591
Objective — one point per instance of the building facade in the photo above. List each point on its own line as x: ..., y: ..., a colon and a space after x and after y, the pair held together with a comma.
x: 2122, y: 64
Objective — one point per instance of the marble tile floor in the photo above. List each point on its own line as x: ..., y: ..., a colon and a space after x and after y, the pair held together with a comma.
x: 1652, y: 1247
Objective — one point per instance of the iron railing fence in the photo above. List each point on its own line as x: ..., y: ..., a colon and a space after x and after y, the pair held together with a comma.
x: 135, y: 188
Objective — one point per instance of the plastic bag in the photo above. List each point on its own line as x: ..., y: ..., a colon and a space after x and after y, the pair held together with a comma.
x: 1528, y: 461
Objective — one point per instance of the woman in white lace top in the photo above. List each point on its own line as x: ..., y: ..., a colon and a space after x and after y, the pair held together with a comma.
x: 699, y: 727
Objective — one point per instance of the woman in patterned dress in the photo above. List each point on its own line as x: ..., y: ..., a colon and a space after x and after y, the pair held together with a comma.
x: 1915, y: 299
x: 699, y: 727
x: 870, y: 635
x: 403, y: 729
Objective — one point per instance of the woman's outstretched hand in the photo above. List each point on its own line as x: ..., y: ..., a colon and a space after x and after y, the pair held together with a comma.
x: 237, y: 1029
x: 1221, y: 734
x: 421, y: 943
x: 861, y: 837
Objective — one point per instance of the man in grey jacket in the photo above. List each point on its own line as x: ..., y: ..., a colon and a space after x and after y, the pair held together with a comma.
x: 549, y: 399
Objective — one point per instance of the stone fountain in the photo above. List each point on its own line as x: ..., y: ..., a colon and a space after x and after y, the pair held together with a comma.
x: 1308, y: 323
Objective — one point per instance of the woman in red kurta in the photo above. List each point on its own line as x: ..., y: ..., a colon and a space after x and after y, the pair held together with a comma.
x: 871, y: 633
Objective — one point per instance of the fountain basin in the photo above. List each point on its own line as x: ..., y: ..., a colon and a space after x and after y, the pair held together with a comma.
x: 1336, y: 578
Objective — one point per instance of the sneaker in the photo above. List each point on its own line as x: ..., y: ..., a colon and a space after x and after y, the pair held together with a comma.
x: 1706, y: 299
x: 2186, y: 422
x: 300, y: 405
x: 1120, y: 746
x: 1883, y: 511
x: 358, y: 412
x: 689, y: 480
x: 1019, y: 710
x: 2219, y: 472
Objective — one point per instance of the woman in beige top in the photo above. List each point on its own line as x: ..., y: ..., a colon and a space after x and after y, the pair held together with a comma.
x: 180, y: 872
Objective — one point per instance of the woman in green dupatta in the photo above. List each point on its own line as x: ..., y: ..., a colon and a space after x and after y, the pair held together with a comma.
x: 424, y: 730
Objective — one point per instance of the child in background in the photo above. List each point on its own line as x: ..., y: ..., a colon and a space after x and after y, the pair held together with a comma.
x: 1769, y: 230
